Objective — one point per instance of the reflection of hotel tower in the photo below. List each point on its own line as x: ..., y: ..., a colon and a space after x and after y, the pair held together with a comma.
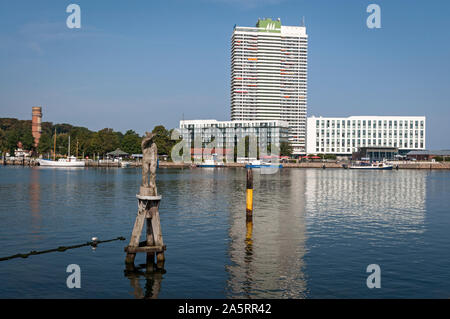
x: 270, y: 264
x: 36, y: 121
x: 394, y: 201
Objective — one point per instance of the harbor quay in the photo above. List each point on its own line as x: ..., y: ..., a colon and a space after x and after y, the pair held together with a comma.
x: 297, y: 164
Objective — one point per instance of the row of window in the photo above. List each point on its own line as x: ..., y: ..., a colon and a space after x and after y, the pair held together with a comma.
x: 358, y: 143
x: 199, y: 127
x: 369, y: 123
x: 362, y: 133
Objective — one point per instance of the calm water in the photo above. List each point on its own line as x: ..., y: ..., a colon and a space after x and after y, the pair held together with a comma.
x: 314, y: 233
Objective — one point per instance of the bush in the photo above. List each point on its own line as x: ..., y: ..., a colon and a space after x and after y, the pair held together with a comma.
x: 442, y: 159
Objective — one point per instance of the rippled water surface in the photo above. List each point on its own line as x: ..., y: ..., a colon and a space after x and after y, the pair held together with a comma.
x: 314, y: 232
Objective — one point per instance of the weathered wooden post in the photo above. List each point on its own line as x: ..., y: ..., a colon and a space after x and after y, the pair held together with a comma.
x: 148, y: 205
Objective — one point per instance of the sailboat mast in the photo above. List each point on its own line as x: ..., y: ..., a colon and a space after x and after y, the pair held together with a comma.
x: 68, y: 151
x: 54, y: 147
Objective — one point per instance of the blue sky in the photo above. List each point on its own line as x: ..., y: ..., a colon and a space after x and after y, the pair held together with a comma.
x: 136, y: 64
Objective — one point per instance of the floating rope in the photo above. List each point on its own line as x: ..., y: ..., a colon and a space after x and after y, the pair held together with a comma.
x: 93, y: 243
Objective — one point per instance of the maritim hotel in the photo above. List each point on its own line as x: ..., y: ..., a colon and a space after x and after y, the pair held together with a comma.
x: 346, y: 135
x: 269, y: 76
x: 268, y: 87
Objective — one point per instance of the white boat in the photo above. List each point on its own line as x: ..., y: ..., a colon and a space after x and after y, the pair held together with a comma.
x: 211, y: 163
x: 261, y: 164
x: 62, y: 162
x: 70, y: 161
x: 381, y: 166
x: 125, y: 164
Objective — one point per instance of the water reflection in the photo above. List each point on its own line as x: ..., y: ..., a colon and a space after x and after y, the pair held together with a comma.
x: 267, y: 254
x: 347, y: 218
x: 153, y: 278
x: 34, y: 200
x: 392, y: 200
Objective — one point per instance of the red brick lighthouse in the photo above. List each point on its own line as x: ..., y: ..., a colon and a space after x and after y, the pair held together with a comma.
x: 36, y: 121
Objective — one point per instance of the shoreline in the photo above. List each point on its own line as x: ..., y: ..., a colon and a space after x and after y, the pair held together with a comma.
x: 319, y: 165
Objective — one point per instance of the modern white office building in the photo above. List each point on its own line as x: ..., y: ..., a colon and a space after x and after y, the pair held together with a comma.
x: 344, y: 135
x: 227, y: 133
x: 269, y: 76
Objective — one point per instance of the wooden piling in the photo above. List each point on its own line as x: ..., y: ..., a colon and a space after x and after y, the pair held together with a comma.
x: 147, y: 213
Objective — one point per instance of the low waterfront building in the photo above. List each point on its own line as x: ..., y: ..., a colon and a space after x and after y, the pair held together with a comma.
x: 118, y: 153
x: 427, y: 155
x: 273, y: 131
x: 20, y: 152
x: 344, y: 135
x: 376, y: 153
x: 209, y: 134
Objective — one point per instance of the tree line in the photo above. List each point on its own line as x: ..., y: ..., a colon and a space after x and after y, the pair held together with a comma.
x: 86, y: 142
x: 83, y: 141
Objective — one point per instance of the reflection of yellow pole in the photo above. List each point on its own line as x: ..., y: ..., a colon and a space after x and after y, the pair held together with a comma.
x: 249, y: 191
x: 249, y: 234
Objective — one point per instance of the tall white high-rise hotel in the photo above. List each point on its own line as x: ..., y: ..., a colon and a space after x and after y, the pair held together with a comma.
x: 269, y: 76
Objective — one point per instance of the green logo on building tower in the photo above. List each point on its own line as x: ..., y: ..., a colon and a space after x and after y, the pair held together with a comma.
x: 268, y: 25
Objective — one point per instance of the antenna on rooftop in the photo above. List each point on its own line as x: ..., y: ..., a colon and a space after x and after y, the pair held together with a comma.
x: 303, y: 21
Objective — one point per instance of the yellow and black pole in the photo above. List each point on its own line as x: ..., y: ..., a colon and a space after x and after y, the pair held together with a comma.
x: 249, y: 208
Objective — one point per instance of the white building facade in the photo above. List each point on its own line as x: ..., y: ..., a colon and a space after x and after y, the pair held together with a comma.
x: 227, y: 133
x: 269, y: 76
x: 344, y: 135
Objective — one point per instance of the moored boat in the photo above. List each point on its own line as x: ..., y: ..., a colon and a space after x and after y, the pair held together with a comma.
x: 62, y: 162
x: 210, y: 163
x: 260, y: 164
x: 125, y: 164
x: 380, y: 166
x: 70, y: 161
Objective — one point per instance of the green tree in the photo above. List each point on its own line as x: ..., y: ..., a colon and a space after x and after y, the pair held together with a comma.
x: 62, y: 143
x: 3, y: 141
x: 83, y: 136
x: 12, y: 138
x: 104, y: 141
x: 45, y: 143
x: 131, y: 142
x: 162, y: 140
x: 26, y: 137
x: 285, y: 149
